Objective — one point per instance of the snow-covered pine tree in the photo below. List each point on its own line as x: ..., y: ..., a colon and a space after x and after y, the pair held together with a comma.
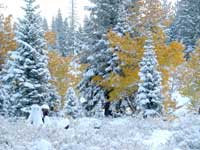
x: 149, y: 96
x: 123, y: 24
x: 53, y: 25
x: 71, y: 38
x: 3, y: 96
x: 72, y: 105
x: 186, y: 25
x: 25, y: 76
x: 100, y: 57
x: 60, y: 34
x: 66, y: 31
x: 45, y: 25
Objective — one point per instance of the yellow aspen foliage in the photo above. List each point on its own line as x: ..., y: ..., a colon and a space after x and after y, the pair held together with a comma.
x: 61, y: 72
x: 50, y: 38
x: 130, y: 53
x: 169, y: 58
x: 152, y: 15
x: 190, y: 77
x: 7, y: 42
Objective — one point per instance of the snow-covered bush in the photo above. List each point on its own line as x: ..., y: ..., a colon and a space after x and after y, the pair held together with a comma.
x: 72, y: 105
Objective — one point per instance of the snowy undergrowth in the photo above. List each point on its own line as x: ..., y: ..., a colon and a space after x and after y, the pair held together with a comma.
x: 104, y: 134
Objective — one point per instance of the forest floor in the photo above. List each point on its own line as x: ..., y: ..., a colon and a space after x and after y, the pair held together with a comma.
x: 126, y: 133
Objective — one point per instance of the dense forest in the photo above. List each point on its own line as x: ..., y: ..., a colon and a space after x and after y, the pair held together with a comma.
x: 129, y: 58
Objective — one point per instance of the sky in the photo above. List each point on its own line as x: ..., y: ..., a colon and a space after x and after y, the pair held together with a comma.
x: 48, y: 8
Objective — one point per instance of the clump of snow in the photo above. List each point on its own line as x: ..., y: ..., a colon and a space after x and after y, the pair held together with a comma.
x: 35, y: 116
x: 180, y: 100
x: 182, y: 104
x: 42, y: 145
x: 45, y: 107
x: 82, y: 100
x: 89, y: 73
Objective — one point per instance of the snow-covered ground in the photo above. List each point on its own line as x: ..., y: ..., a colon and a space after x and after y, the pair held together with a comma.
x: 126, y: 133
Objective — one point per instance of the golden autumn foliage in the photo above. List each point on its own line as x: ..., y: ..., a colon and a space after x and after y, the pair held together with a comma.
x: 7, y: 42
x: 50, y: 38
x: 147, y: 15
x: 190, y: 77
x: 130, y: 54
x: 169, y: 57
x: 61, y: 72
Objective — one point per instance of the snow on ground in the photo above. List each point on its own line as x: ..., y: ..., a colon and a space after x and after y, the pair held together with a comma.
x: 128, y: 133
x: 180, y: 100
x: 182, y: 104
x: 158, y: 138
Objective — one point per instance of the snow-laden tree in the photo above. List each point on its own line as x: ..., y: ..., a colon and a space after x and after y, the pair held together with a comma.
x: 72, y: 105
x: 186, y: 25
x: 45, y: 25
x: 149, y: 96
x: 60, y: 34
x: 101, y: 58
x: 25, y: 76
x: 123, y: 24
x: 102, y: 62
x: 106, y: 12
x: 3, y: 96
x: 71, y: 38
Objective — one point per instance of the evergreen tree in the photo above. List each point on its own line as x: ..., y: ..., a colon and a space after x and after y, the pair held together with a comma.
x: 53, y: 25
x: 149, y: 97
x: 69, y: 45
x: 3, y: 96
x: 66, y: 31
x: 45, y: 25
x: 72, y: 105
x: 60, y: 34
x: 123, y: 24
x: 25, y: 76
x: 100, y: 57
x: 106, y: 12
x: 186, y: 25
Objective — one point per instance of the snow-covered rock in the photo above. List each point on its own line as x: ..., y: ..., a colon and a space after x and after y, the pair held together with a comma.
x: 35, y: 116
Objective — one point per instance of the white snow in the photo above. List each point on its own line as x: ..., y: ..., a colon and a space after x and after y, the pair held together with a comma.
x: 45, y: 106
x: 89, y: 73
x: 182, y: 104
x: 29, y: 85
x: 180, y: 100
x: 158, y: 138
x: 126, y: 133
x: 35, y: 116
x: 42, y: 145
x: 82, y: 100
